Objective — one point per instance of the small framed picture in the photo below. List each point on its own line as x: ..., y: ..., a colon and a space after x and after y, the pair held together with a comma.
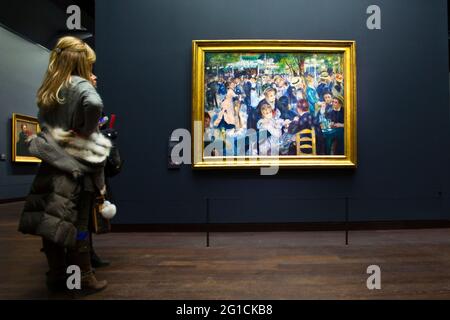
x: 22, y: 128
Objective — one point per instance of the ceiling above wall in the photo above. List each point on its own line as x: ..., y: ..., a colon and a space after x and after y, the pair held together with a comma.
x: 86, y: 6
x: 46, y: 22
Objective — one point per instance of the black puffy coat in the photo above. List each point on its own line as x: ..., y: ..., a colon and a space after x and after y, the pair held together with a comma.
x: 70, y: 148
x: 50, y: 209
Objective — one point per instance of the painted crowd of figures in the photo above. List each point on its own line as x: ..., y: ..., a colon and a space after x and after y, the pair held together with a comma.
x: 288, y: 115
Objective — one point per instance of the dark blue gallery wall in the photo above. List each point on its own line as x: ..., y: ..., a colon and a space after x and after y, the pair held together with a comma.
x: 144, y: 70
x: 22, y: 68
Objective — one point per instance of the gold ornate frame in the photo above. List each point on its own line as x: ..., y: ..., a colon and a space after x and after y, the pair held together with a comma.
x: 347, y: 48
x: 28, y: 119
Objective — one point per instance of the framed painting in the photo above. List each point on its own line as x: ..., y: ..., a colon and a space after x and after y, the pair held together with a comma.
x: 286, y: 103
x: 22, y: 128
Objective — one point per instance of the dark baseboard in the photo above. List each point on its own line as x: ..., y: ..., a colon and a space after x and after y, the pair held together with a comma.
x: 283, y: 227
x: 12, y: 200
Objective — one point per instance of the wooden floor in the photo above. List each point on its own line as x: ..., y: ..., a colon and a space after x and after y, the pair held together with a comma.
x: 298, y: 265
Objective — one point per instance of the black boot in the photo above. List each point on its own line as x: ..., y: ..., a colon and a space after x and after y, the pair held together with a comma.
x: 96, y: 261
x: 81, y: 257
x: 56, y: 258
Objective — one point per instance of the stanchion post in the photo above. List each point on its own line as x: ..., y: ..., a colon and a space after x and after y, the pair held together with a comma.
x: 207, y: 221
x: 346, y: 220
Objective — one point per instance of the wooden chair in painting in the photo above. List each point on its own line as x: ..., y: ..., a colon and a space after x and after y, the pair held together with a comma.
x: 306, y: 142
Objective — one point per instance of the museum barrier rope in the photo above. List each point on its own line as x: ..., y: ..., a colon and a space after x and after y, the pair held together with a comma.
x: 346, y: 200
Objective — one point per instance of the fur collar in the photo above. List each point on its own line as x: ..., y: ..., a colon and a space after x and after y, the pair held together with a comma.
x: 93, y: 149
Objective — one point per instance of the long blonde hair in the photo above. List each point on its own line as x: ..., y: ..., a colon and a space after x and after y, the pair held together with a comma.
x: 71, y: 56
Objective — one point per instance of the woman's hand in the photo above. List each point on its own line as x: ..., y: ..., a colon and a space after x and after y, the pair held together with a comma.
x: 336, y: 125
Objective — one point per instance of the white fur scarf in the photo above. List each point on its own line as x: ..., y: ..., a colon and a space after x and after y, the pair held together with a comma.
x: 93, y: 149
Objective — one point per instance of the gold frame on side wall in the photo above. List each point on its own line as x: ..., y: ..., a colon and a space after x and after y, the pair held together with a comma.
x: 27, y: 119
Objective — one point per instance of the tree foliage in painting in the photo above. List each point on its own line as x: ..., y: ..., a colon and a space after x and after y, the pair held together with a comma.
x: 221, y: 59
x: 293, y: 63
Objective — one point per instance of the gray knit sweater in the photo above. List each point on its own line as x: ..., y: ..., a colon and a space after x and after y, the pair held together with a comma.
x: 80, y: 111
x: 70, y: 139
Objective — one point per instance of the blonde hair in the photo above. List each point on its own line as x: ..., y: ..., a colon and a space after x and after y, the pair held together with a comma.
x: 71, y: 56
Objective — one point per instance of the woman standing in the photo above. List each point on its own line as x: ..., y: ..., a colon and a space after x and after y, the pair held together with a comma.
x: 71, y: 175
x: 226, y: 117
